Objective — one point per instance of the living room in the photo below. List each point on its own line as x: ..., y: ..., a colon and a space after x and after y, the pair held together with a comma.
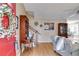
x: 45, y: 21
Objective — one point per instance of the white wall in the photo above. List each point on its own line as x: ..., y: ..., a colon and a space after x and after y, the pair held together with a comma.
x: 45, y: 34
x: 19, y: 11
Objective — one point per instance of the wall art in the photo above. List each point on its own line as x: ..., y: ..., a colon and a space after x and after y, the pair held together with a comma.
x: 49, y: 26
x: 36, y: 23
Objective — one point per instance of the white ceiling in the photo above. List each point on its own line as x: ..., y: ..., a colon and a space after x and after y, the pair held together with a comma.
x: 52, y: 10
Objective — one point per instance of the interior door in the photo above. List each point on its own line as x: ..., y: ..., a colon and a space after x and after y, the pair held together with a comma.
x: 23, y: 28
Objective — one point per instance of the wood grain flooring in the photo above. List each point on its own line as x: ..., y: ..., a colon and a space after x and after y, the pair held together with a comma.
x: 42, y: 49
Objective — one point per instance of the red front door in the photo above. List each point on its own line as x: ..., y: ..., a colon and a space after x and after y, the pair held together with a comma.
x: 7, y: 33
x: 7, y: 46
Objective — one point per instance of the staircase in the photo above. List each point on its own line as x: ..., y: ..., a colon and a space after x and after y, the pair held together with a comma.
x: 34, y: 37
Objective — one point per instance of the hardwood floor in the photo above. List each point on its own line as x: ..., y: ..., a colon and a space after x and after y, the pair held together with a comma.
x: 43, y: 49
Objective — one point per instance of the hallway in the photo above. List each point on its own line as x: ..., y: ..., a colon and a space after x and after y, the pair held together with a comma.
x: 43, y: 49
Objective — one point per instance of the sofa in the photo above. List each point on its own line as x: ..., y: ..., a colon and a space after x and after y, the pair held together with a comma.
x: 64, y: 46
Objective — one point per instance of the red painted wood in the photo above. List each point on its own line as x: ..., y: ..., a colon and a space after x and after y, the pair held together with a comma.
x: 7, y: 46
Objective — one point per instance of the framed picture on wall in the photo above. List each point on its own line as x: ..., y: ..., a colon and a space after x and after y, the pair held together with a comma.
x: 49, y: 26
